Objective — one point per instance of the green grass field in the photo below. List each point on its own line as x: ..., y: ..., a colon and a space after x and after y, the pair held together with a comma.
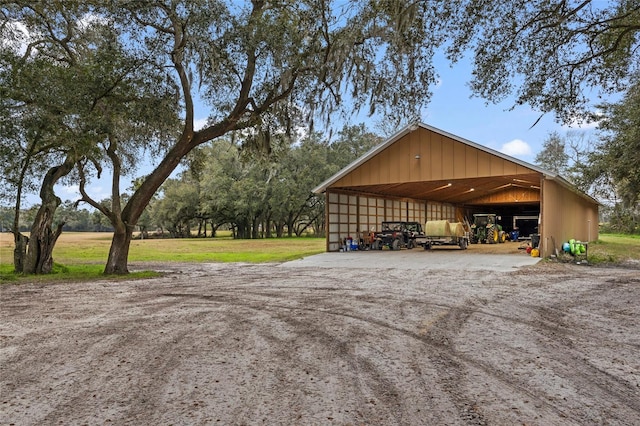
x: 614, y: 248
x: 83, y: 255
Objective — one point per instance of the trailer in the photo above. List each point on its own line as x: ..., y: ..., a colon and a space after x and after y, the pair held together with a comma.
x: 443, y: 233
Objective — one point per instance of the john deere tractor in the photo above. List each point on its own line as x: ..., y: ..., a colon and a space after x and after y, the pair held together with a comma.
x: 485, y: 229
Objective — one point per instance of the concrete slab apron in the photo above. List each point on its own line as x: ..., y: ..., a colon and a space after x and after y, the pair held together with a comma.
x: 416, y: 259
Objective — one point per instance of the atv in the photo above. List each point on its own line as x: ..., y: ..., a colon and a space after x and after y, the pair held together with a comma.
x: 397, y: 235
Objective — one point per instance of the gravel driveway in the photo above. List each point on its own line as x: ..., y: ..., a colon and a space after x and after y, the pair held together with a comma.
x: 236, y: 344
x: 436, y: 259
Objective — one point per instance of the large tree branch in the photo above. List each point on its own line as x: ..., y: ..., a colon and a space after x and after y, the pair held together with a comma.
x: 116, y: 206
x: 180, y: 39
x: 62, y: 42
x: 31, y: 151
x: 86, y: 197
x: 250, y: 70
x: 135, y: 5
x: 599, y: 53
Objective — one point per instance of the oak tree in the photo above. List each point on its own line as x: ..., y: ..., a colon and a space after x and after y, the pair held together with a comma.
x: 251, y: 62
x: 558, y: 56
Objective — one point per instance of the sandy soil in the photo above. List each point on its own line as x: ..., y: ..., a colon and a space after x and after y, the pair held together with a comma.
x: 265, y: 344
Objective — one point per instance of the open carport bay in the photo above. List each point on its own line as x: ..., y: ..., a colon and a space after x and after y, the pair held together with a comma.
x: 377, y: 344
x: 424, y: 174
x: 521, y: 217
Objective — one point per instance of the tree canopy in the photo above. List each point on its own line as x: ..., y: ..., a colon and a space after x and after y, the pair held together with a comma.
x: 74, y: 97
x: 253, y: 63
x: 553, y: 156
x: 133, y: 68
x: 256, y: 195
x: 615, y: 161
x: 620, y: 147
x: 558, y: 56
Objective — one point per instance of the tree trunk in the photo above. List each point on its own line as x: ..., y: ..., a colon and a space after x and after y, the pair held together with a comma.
x: 21, y: 241
x: 117, y: 263
x: 39, y: 258
x: 290, y: 224
x: 243, y: 228
x: 255, y: 227
x: 268, y: 225
x: 279, y: 229
x: 119, y: 250
x: 20, y: 251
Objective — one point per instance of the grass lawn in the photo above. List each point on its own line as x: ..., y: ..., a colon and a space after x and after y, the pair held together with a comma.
x: 84, y: 254
x: 614, y: 248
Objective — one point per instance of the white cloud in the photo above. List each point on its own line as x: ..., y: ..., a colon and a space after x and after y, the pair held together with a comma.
x: 17, y: 37
x: 69, y: 191
x: 516, y: 148
x: 199, y: 123
x: 72, y: 192
x: 581, y: 125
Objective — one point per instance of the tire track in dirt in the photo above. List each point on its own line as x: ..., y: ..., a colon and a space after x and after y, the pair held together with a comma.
x: 450, y: 365
x: 557, y: 338
x: 113, y: 352
x: 262, y: 348
x: 451, y: 372
x: 377, y: 397
x: 587, y: 378
x: 565, y: 340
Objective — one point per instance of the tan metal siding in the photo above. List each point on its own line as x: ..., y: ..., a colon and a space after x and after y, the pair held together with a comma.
x: 509, y: 168
x: 438, y: 158
x: 471, y: 160
x: 415, y: 171
x: 484, y: 164
x: 435, y: 157
x: 460, y: 154
x: 448, y: 159
x: 383, y: 169
x: 565, y: 215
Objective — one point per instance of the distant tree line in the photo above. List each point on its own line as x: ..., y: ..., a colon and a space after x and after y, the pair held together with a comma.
x: 254, y: 194
x: 74, y: 219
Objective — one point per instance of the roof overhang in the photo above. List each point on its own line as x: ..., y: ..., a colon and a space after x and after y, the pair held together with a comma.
x: 455, y: 191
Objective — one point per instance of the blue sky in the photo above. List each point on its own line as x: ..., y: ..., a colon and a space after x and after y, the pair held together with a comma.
x: 451, y: 109
x: 454, y: 110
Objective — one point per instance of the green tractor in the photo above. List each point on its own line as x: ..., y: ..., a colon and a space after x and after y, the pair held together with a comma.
x: 485, y: 229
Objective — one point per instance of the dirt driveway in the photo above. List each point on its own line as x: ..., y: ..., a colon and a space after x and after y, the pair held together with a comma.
x: 241, y: 344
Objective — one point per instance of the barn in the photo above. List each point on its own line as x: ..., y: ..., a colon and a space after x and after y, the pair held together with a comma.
x: 423, y: 173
